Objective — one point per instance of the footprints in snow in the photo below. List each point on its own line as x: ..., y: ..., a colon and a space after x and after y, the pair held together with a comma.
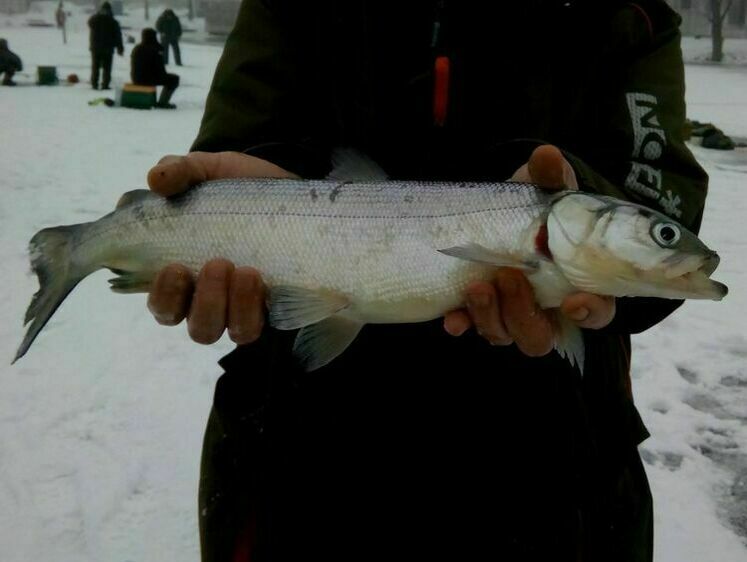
x: 670, y: 461
x: 734, y: 381
x: 687, y: 374
x: 722, y: 437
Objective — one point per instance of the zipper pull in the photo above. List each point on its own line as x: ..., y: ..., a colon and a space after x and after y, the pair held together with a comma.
x: 441, y: 71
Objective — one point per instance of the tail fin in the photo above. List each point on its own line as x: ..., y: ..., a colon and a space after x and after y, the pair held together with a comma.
x: 51, y: 252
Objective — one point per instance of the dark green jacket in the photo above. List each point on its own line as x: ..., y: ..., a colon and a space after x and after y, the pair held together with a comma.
x: 9, y: 60
x: 412, y: 441
x: 168, y: 25
x: 105, y: 33
x: 146, y: 61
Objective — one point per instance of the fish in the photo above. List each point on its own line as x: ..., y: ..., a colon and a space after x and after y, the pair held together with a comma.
x: 357, y: 248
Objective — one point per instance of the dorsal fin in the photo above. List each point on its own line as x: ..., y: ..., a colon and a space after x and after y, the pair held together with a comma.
x: 349, y: 164
x: 133, y: 197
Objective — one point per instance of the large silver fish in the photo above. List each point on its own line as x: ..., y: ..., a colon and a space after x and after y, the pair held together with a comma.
x: 338, y: 254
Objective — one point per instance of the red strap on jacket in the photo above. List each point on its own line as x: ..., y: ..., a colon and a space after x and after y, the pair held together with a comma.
x: 642, y: 12
x: 441, y: 90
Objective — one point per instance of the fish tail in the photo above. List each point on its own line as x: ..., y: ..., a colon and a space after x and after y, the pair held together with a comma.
x: 51, y: 253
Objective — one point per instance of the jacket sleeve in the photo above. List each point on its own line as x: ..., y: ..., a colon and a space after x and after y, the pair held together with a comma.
x: 641, y: 154
x: 257, y: 102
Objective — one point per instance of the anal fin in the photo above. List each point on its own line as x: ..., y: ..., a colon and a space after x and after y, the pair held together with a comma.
x: 317, y: 345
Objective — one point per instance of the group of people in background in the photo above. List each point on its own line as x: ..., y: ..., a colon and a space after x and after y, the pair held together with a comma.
x: 148, y: 59
x: 147, y: 62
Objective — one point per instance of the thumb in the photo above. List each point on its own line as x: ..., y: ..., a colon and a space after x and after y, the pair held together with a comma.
x: 548, y: 168
x: 174, y: 174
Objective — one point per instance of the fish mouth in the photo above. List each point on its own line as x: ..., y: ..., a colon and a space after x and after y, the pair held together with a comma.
x: 679, y: 265
x: 690, y: 276
x: 701, y: 286
x: 710, y: 263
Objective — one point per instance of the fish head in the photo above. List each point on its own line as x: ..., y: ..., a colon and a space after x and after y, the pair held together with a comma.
x: 612, y: 247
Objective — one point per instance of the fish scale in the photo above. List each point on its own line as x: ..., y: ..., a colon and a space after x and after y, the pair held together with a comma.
x: 376, y: 240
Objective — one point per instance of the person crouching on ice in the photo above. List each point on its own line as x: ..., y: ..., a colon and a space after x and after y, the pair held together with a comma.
x: 10, y: 63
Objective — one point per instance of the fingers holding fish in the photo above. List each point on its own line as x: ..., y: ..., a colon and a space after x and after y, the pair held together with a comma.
x: 589, y: 311
x: 224, y: 296
x: 171, y: 294
x: 505, y: 312
x: 529, y: 326
x: 246, y: 305
x: 174, y: 174
x: 548, y: 168
x: 484, y: 309
x: 208, y: 312
x: 456, y: 322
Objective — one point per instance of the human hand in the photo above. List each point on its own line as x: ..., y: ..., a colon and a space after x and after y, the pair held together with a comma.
x: 223, y: 295
x: 504, y: 311
x: 120, y: 51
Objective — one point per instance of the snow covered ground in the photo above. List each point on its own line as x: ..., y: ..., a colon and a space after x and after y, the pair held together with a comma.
x: 101, y: 424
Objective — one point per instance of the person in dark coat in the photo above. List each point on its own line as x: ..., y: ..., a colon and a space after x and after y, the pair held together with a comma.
x: 464, y: 438
x: 147, y: 68
x: 10, y: 63
x: 170, y: 29
x: 105, y: 37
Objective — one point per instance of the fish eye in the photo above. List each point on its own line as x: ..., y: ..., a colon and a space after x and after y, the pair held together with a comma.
x: 666, y: 234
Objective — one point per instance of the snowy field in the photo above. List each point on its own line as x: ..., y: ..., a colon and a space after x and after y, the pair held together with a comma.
x: 101, y: 424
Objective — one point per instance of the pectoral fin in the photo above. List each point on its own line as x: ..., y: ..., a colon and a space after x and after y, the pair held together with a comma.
x: 569, y: 341
x: 317, y: 345
x: 293, y: 307
x: 481, y: 254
